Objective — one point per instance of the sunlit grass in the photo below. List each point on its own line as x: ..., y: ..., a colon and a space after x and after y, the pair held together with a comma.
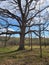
x: 25, y: 57
x: 8, y: 49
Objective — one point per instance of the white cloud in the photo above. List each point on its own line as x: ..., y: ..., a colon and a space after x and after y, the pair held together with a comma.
x: 7, y: 5
x: 47, y: 9
x: 47, y: 28
x: 4, y: 30
x: 41, y: 2
x: 10, y: 29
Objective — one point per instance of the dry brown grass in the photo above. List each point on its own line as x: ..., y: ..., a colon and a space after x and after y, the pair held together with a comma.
x: 26, y: 57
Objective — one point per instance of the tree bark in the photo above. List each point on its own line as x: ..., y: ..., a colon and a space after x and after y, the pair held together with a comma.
x: 22, y: 38
x: 21, y: 45
x: 40, y: 42
x: 22, y: 34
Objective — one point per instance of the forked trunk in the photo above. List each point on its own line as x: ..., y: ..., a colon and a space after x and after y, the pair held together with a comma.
x: 22, y: 35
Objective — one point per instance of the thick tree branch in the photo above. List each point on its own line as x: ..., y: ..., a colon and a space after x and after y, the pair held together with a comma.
x: 10, y: 32
x: 11, y: 15
x: 20, y: 7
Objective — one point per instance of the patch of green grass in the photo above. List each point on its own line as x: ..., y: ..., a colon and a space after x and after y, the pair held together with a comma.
x: 8, y: 49
x: 25, y: 57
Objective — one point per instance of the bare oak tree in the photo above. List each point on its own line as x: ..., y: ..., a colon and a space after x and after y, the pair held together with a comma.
x: 23, y: 11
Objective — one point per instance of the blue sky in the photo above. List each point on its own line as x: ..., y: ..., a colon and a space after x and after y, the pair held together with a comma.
x: 13, y: 21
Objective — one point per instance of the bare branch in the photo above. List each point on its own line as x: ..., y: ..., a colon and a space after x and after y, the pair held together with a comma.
x: 38, y: 13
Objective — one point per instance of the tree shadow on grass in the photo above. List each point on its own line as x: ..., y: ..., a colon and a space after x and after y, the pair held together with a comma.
x: 15, y: 51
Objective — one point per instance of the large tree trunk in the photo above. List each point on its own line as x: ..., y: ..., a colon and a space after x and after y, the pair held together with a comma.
x: 21, y: 45
x: 22, y: 35
x: 22, y: 38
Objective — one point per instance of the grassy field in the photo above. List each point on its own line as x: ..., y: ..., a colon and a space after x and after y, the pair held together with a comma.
x: 9, y: 56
